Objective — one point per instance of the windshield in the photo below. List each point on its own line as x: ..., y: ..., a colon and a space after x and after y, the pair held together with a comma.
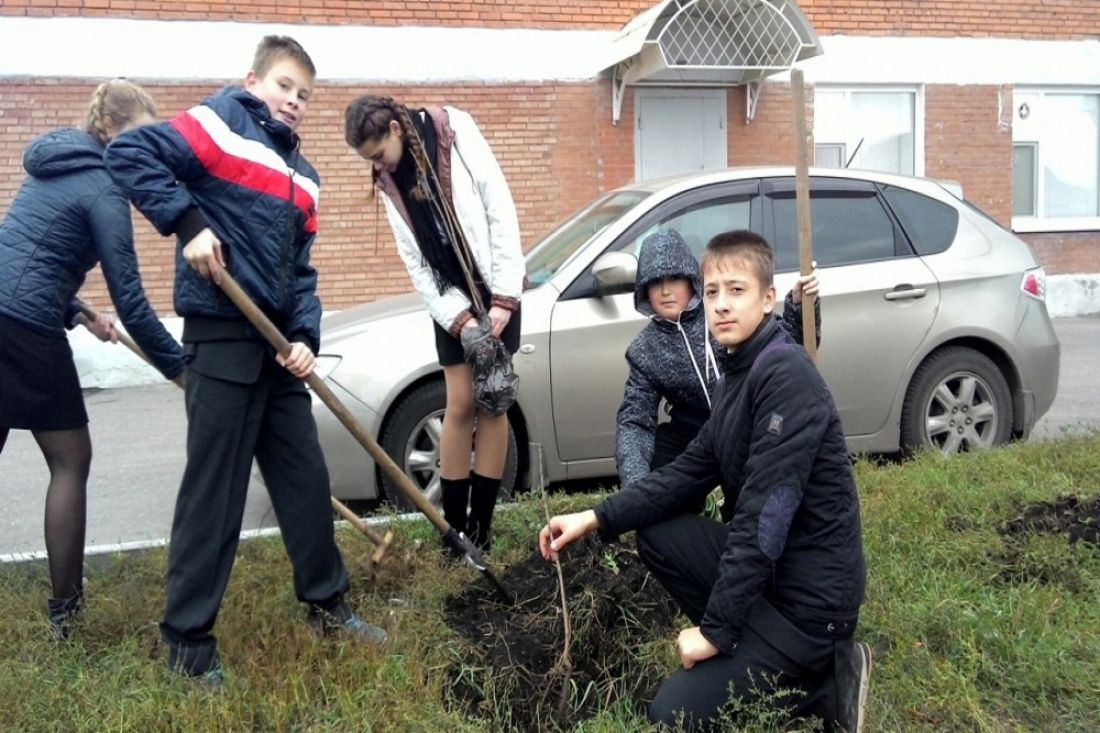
x: 557, y: 247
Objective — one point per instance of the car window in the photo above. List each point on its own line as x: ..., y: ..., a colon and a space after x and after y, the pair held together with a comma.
x: 930, y: 224
x: 697, y: 214
x: 849, y: 225
x: 555, y: 249
x: 698, y: 223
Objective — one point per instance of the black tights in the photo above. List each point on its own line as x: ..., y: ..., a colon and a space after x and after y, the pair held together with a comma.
x: 68, y: 455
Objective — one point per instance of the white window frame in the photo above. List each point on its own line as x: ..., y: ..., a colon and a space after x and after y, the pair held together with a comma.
x: 917, y: 90
x: 1040, y: 223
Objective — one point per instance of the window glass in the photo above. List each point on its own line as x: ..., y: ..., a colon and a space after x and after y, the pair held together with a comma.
x: 875, y: 128
x: 1023, y: 179
x: 829, y: 155
x: 697, y: 224
x: 848, y: 227
x: 930, y: 224
x: 1069, y: 155
x: 1056, y: 154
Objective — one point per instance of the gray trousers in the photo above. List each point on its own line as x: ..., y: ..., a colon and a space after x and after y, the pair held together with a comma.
x: 241, y: 404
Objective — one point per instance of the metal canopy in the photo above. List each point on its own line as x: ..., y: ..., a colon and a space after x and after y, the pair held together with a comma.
x: 709, y: 43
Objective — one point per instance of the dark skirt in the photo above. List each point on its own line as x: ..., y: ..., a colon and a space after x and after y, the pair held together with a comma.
x: 39, y: 386
x: 449, y: 348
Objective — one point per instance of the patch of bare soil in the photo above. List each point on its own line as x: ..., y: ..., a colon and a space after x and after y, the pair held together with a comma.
x: 1078, y: 519
x: 1075, y: 518
x: 613, y: 601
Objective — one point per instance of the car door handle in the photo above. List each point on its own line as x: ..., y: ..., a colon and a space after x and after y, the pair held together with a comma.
x: 905, y: 292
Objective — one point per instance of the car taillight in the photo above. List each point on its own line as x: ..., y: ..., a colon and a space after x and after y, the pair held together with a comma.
x: 1035, y: 283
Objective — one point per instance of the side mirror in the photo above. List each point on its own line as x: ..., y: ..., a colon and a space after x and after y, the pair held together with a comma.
x: 615, y: 272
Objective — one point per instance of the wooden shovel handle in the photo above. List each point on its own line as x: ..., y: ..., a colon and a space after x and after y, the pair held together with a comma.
x: 264, y: 325
x: 802, y: 197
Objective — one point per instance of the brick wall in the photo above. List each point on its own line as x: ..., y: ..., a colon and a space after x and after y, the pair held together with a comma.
x: 1050, y: 19
x: 769, y: 138
x: 542, y: 135
x: 558, y: 150
x: 1066, y: 253
x: 968, y: 138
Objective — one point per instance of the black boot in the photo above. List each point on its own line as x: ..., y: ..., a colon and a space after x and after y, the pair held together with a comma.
x: 483, y: 499
x: 64, y: 613
x: 197, y: 659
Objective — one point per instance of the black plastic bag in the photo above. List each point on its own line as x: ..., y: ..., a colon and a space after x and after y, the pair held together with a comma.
x: 495, y: 382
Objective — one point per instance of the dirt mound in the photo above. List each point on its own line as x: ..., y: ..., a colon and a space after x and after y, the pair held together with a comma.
x: 1078, y: 519
x: 613, y: 601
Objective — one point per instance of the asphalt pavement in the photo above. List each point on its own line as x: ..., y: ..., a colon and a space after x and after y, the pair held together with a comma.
x: 138, y: 438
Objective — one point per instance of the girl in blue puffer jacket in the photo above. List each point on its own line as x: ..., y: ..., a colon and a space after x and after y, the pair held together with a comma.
x: 67, y: 216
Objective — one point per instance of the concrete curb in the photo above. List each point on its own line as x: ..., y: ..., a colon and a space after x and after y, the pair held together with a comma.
x: 100, y: 557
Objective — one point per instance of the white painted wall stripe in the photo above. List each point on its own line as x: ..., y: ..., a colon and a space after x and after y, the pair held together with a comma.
x: 180, y: 50
x: 162, y: 50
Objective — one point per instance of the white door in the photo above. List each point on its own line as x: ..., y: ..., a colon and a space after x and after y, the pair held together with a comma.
x: 678, y: 131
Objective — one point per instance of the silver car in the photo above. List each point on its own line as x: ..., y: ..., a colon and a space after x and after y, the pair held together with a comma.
x: 935, y: 330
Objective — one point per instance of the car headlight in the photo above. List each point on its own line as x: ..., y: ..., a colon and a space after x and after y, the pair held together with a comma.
x: 325, y: 364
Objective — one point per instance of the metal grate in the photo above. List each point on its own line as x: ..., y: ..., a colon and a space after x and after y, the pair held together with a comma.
x: 737, y: 34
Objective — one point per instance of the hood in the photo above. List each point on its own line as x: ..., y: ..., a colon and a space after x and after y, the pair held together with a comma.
x: 62, y: 151
x: 665, y: 254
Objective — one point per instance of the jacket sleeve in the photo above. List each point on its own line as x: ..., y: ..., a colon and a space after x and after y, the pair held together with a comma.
x: 508, y: 266
x: 445, y: 307
x: 635, y: 435
x: 791, y: 320
x: 305, y: 322
x: 113, y: 234
x: 662, y: 494
x: 152, y: 165
x: 788, y: 418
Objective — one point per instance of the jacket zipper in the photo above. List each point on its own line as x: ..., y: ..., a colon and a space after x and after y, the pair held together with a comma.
x: 284, y: 254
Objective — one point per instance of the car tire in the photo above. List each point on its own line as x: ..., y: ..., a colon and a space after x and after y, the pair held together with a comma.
x: 411, y: 438
x: 957, y: 401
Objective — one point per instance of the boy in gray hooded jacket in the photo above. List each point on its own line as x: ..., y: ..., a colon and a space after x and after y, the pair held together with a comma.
x: 673, y: 356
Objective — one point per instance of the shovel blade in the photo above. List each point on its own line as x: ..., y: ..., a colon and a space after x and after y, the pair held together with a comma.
x: 462, y: 546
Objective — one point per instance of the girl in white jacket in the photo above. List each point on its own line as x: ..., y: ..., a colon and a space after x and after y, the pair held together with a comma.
x: 470, y: 177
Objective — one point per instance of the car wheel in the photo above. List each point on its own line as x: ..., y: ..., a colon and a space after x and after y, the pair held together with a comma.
x: 958, y: 401
x: 412, y: 438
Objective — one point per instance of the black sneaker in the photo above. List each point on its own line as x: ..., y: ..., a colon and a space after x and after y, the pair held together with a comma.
x: 341, y: 618
x: 65, y: 614
x: 853, y: 689
x: 212, y: 679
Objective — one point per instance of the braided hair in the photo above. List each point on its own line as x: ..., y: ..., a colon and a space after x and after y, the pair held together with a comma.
x: 114, y: 105
x: 368, y: 118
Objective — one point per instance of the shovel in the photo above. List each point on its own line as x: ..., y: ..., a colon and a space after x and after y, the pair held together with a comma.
x: 382, y: 543
x: 458, y: 541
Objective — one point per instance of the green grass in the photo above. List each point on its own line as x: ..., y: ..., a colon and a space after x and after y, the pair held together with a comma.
x: 969, y: 633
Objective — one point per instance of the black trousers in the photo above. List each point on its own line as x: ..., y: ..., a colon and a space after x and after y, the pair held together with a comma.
x: 669, y: 441
x: 241, y: 404
x: 773, y: 655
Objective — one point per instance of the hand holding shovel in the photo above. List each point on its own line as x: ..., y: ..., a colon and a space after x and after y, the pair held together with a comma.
x: 382, y: 543
x: 458, y: 541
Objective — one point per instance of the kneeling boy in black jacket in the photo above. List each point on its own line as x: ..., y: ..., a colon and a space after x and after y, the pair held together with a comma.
x: 775, y: 593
